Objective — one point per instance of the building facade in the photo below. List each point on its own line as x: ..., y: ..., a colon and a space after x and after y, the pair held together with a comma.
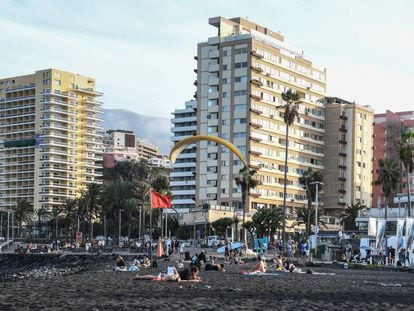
x: 388, y: 128
x: 182, y: 176
x: 50, y: 140
x: 348, y: 156
x: 241, y: 74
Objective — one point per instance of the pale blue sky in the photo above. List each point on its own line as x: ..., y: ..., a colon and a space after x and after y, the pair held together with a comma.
x: 141, y: 52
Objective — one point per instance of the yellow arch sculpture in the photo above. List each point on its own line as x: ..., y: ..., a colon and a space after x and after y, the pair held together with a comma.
x: 180, y: 146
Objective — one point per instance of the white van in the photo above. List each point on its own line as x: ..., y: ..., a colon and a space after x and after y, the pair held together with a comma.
x: 213, y: 240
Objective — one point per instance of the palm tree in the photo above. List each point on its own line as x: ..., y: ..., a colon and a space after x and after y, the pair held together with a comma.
x: 246, y: 181
x: 266, y: 220
x: 41, y: 212
x: 70, y: 215
x: 307, y: 216
x: 307, y: 181
x: 221, y: 225
x: 388, y: 177
x: 350, y: 214
x: 406, y: 151
x: 250, y: 227
x: 290, y: 112
x: 23, y: 213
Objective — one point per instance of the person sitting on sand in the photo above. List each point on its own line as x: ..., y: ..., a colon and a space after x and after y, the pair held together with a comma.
x: 261, y: 266
x: 120, y: 262
x: 278, y: 263
x: 190, y: 275
x: 214, y: 267
x: 146, y: 263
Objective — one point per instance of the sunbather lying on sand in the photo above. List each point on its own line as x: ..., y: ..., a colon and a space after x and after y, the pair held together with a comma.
x: 173, y: 276
x: 214, y: 267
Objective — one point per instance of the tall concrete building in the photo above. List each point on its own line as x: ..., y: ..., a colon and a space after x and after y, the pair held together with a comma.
x: 50, y: 140
x: 241, y: 74
x: 388, y: 128
x: 349, y: 154
x: 182, y: 177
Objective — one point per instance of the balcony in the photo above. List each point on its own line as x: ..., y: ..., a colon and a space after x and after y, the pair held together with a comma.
x: 342, y: 154
x: 255, y: 153
x: 195, y: 70
x: 343, y: 129
x: 214, y: 68
x: 255, y: 139
x: 342, y: 178
x: 343, y: 191
x: 343, y: 116
x: 30, y: 86
x: 256, y: 69
x: 342, y: 166
x: 196, y: 57
x: 254, y: 166
x: 255, y: 97
x: 256, y: 82
x: 214, y: 54
x: 254, y: 195
x: 255, y: 54
x: 256, y: 111
x: 88, y: 90
x: 195, y: 95
x: 341, y: 203
x: 256, y: 125
x: 342, y: 141
x: 195, y: 83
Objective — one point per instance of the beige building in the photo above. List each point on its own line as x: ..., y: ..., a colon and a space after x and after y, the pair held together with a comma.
x: 241, y: 73
x: 50, y: 141
x: 146, y: 150
x: 348, y: 170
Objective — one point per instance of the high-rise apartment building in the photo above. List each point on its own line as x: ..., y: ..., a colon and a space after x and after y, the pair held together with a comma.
x: 182, y: 177
x: 241, y: 74
x: 348, y: 155
x: 387, y: 130
x: 50, y: 140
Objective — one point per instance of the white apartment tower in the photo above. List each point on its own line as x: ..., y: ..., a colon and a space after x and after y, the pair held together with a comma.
x: 182, y: 177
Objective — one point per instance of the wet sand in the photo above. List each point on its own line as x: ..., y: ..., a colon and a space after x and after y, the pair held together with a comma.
x: 99, y: 289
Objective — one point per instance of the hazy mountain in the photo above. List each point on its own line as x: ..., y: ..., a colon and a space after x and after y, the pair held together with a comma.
x: 154, y: 130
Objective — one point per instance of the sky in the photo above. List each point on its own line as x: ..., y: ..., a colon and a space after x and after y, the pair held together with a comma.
x: 141, y: 52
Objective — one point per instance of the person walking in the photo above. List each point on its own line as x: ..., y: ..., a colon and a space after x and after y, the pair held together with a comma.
x: 348, y: 251
x: 182, y: 250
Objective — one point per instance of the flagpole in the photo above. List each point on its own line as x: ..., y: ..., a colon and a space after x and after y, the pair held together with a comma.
x: 150, y: 233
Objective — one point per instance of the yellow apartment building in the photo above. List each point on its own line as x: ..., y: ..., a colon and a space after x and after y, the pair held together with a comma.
x: 50, y: 138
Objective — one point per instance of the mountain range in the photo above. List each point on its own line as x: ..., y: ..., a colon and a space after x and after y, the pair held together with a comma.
x: 154, y: 130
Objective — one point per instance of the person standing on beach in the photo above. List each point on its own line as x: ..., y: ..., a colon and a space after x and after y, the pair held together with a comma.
x: 182, y: 250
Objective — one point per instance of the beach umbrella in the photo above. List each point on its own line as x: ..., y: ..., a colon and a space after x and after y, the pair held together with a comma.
x: 367, y: 248
x: 160, y: 249
x: 231, y: 246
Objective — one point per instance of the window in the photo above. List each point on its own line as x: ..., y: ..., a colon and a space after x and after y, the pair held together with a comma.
x: 212, y: 129
x: 240, y: 121
x: 212, y: 102
x: 225, y: 53
x: 223, y: 190
x: 212, y: 169
x: 240, y: 65
x: 240, y: 93
x: 240, y: 79
x: 236, y: 162
x: 225, y: 108
x: 212, y: 116
x: 224, y: 122
x: 240, y: 51
x: 225, y: 67
x: 239, y: 134
x: 224, y: 135
x: 212, y: 182
x: 212, y: 156
x: 240, y: 107
x: 223, y: 163
x: 225, y: 80
x: 224, y: 94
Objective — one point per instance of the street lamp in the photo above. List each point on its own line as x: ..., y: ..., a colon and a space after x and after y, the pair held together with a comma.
x: 316, y: 183
x: 119, y: 226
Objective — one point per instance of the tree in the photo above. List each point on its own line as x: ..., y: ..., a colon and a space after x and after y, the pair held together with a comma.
x: 266, y: 221
x: 221, y: 225
x: 70, y: 208
x: 290, y: 112
x: 306, y: 180
x: 246, y: 181
x: 307, y: 216
x: 388, y: 177
x: 406, y: 151
x: 23, y: 213
x: 350, y: 214
x: 40, y: 213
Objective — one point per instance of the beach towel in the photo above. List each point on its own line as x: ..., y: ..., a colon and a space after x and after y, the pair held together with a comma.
x: 243, y: 272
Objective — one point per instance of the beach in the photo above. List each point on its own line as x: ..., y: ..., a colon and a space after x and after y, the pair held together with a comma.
x: 96, y: 287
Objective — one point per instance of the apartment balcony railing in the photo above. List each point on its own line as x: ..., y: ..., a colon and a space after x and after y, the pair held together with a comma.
x: 256, y: 125
x: 255, y: 97
x: 256, y: 69
x: 255, y: 54
x: 256, y: 82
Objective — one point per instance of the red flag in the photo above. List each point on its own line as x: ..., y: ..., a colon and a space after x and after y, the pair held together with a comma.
x: 160, y: 201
